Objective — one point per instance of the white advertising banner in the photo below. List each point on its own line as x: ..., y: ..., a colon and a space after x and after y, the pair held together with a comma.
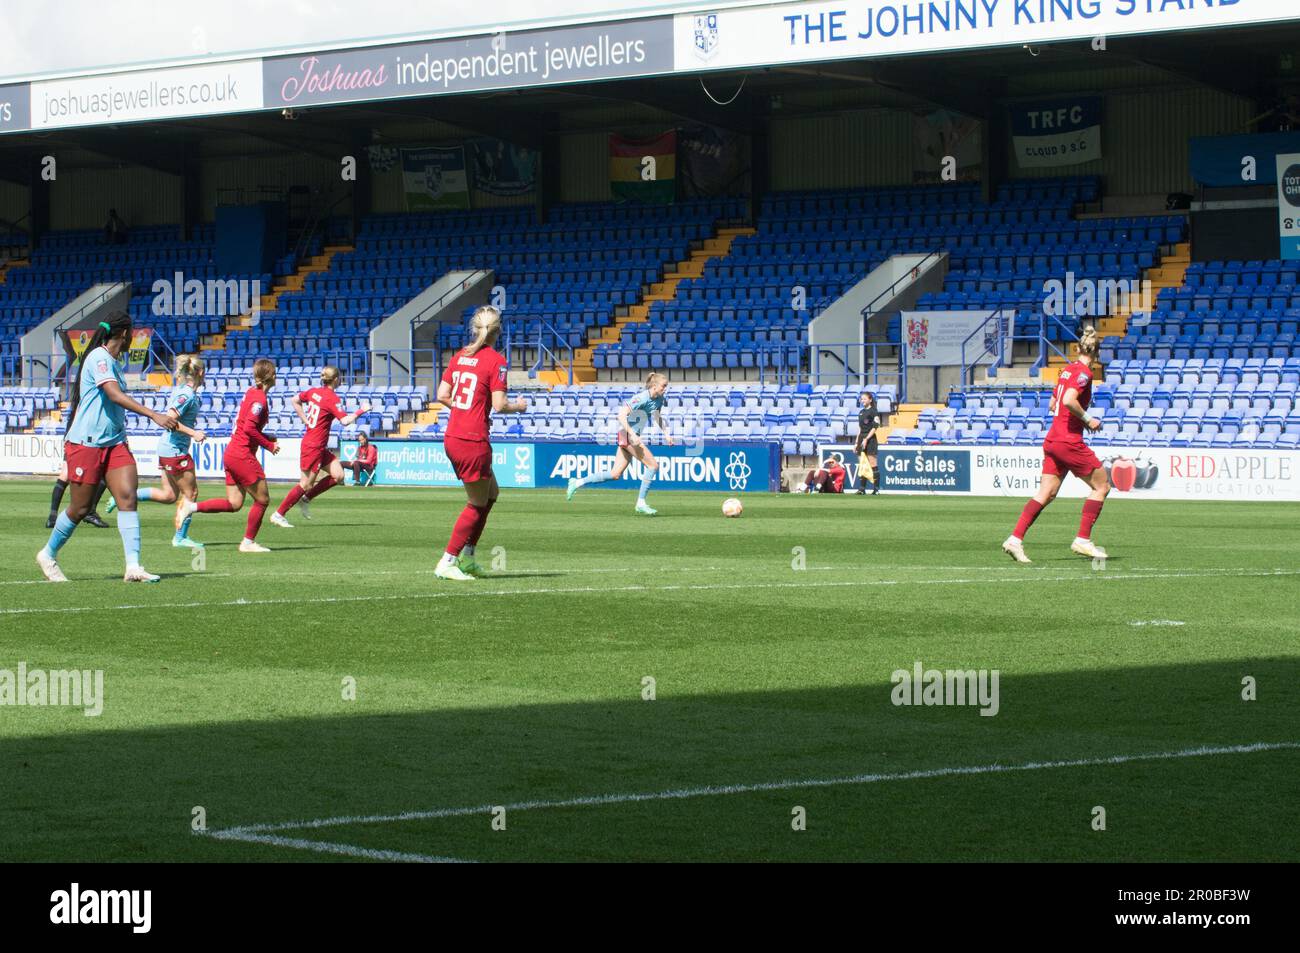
x: 42, y: 455
x: 1153, y: 473
x: 952, y: 338
x: 149, y: 94
x: 857, y: 29
x: 1288, y: 205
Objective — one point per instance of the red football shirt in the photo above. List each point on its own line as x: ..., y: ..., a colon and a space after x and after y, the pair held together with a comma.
x: 473, y: 379
x: 321, y: 407
x: 1066, y: 426
x: 253, y: 415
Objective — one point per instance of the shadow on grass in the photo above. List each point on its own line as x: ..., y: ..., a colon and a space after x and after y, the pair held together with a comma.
x: 94, y: 794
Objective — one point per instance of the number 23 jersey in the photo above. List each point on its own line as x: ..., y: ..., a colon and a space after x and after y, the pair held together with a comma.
x: 473, y: 379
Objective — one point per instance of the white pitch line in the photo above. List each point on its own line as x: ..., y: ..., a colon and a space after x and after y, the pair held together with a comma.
x: 259, y: 833
x: 627, y: 571
x: 473, y: 592
x: 325, y: 847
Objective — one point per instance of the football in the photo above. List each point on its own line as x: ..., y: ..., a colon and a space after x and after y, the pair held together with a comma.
x: 731, y: 507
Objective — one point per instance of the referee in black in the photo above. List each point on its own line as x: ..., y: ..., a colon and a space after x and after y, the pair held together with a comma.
x: 865, y: 446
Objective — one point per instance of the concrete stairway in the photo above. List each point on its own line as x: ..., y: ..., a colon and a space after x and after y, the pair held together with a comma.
x: 290, y: 284
x: 584, y: 371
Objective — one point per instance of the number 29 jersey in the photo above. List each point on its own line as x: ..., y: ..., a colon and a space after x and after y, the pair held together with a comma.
x: 473, y: 379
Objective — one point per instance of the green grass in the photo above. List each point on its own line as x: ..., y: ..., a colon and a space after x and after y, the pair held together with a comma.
x: 223, y: 685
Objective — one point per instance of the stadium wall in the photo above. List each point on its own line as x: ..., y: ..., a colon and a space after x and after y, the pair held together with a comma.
x: 81, y: 195
x: 841, y: 150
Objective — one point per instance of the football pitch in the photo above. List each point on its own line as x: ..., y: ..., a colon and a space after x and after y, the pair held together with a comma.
x: 686, y: 687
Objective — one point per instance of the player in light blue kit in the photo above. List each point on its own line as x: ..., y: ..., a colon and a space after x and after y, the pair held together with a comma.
x: 632, y: 418
x: 174, y: 458
x: 95, y: 447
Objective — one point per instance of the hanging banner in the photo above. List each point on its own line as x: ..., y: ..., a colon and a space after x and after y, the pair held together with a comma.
x: 953, y: 338
x: 712, y: 161
x: 643, y: 170
x: 434, y: 178
x: 1065, y: 132
x: 137, y: 354
x: 502, y: 168
x: 1288, y: 205
x: 942, y: 135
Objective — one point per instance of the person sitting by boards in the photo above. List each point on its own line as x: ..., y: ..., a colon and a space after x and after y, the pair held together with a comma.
x: 364, y: 464
x: 828, y: 478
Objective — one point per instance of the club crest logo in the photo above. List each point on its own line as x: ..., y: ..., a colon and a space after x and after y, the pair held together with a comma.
x: 706, y: 36
x: 433, y: 180
x: 918, y: 336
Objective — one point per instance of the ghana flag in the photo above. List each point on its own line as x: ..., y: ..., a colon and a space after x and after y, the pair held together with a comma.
x: 643, y: 170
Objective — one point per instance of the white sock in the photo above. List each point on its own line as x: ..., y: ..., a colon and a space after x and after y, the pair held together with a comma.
x: 448, y: 559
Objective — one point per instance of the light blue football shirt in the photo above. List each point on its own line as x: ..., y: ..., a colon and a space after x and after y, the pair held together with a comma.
x: 186, y: 403
x: 641, y: 410
x: 98, y: 422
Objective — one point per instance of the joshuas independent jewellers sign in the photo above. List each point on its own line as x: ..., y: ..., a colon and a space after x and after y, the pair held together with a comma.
x: 721, y: 39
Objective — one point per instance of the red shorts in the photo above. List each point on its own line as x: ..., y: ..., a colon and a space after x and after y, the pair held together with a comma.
x: 317, y: 461
x: 1061, y: 457
x: 89, y: 464
x: 243, y: 470
x: 176, y: 464
x: 471, y: 459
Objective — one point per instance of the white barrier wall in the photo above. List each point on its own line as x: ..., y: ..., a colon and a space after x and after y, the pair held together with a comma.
x: 42, y: 454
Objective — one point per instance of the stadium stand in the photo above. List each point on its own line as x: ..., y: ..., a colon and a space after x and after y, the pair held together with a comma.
x: 65, y: 264
x: 798, y: 417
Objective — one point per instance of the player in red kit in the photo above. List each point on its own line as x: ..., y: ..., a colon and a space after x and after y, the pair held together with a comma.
x: 472, y: 386
x: 244, y: 474
x: 1065, y: 452
x: 318, y: 408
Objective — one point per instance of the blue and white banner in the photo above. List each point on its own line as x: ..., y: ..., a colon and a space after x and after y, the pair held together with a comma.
x: 861, y: 29
x: 729, y: 467
x: 1288, y: 205
x: 425, y: 463
x: 434, y: 178
x: 1065, y: 132
x: 725, y: 467
x: 954, y: 338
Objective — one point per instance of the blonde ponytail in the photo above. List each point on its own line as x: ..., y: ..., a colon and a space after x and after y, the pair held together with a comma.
x: 486, y: 325
x: 329, y: 376
x: 1088, y: 341
x: 653, y: 378
x: 189, y: 367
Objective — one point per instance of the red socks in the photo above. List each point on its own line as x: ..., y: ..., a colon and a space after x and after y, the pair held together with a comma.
x: 471, y: 518
x: 1091, y: 510
x: 482, y: 523
x: 215, y: 505
x: 255, y: 514
x: 290, y: 500
x: 1027, y: 517
x: 321, y: 487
